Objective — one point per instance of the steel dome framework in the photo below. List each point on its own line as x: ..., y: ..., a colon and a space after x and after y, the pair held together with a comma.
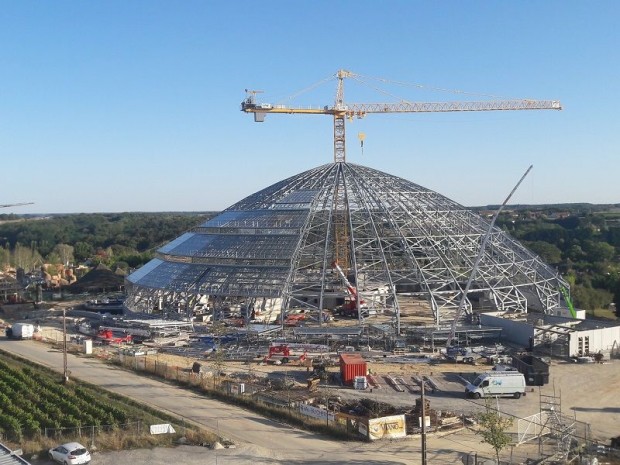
x: 394, y: 239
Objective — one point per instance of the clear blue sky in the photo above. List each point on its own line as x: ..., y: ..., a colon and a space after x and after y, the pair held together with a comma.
x: 111, y: 106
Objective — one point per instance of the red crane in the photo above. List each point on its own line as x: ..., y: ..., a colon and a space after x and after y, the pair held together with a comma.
x: 350, y: 306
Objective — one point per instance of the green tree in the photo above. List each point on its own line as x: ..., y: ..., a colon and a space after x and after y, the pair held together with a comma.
x: 599, y: 251
x: 26, y: 258
x: 65, y: 252
x: 492, y: 429
x: 5, y: 258
x: 575, y: 253
x: 589, y: 298
x: 82, y: 251
x: 548, y: 252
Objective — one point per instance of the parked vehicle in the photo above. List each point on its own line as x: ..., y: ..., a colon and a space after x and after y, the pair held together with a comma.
x: 462, y: 354
x: 107, y: 336
x: 21, y: 331
x: 71, y: 453
x: 497, y: 383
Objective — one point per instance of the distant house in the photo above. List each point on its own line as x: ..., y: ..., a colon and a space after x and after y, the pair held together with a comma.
x: 99, y: 279
x: 558, y: 215
x: 10, y: 289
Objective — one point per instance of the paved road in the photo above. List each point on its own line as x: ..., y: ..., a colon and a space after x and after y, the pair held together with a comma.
x: 260, y: 440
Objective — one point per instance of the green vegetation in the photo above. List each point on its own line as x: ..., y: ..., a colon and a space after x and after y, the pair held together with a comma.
x: 126, y: 239
x: 36, y: 408
x: 582, y: 241
x: 492, y: 429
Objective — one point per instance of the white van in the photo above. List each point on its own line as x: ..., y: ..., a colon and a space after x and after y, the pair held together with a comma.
x: 497, y: 383
x: 22, y: 331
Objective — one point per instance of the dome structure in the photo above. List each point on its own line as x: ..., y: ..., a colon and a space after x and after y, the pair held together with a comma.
x: 350, y: 239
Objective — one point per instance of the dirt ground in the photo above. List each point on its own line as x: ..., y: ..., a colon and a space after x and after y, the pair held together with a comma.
x: 586, y: 392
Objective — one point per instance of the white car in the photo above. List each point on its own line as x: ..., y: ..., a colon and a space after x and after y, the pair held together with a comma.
x: 71, y: 453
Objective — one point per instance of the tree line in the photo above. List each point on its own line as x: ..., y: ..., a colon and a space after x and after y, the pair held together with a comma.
x: 581, y: 241
x: 128, y: 239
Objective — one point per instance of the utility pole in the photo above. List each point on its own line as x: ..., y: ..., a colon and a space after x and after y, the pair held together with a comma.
x: 64, y: 346
x: 423, y: 435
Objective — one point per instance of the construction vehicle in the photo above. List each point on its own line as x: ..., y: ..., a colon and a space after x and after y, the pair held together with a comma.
x: 353, y: 303
x: 107, y: 336
x: 569, y: 302
x: 283, y: 354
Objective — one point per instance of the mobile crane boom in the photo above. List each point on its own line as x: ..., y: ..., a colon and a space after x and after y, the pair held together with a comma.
x: 354, y: 298
x: 341, y: 110
x: 569, y: 302
x: 474, y: 270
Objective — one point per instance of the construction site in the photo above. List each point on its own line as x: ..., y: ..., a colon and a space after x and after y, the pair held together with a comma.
x: 368, y: 393
x: 348, y: 295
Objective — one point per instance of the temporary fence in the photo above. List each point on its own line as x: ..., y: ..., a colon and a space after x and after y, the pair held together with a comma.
x: 208, y: 379
x: 135, y: 427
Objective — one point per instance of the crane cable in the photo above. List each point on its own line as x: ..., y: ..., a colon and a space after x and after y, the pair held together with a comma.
x: 433, y: 88
x: 308, y: 89
x: 363, y: 80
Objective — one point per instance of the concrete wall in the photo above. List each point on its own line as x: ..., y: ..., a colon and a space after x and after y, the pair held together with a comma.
x: 517, y: 332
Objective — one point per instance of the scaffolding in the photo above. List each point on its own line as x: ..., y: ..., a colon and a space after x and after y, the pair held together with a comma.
x: 398, y: 240
x: 554, y: 431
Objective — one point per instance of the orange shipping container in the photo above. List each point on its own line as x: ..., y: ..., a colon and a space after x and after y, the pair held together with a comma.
x: 352, y: 365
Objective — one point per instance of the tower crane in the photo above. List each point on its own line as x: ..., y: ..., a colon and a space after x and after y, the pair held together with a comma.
x: 341, y: 110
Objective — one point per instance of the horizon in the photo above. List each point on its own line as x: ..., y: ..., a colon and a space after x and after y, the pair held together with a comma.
x: 201, y: 212
x: 135, y: 106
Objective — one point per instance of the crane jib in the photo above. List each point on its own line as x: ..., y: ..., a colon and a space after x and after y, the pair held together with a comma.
x: 341, y: 110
